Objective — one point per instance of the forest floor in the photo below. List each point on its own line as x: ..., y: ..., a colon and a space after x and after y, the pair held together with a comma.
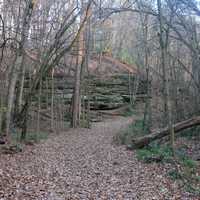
x: 84, y: 164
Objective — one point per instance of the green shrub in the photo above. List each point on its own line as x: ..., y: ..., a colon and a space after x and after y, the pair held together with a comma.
x: 30, y: 136
x: 165, y: 152
x: 187, y: 173
x: 187, y: 162
x: 155, y: 153
x: 36, y: 137
x: 84, y: 123
x: 144, y: 154
x: 184, y: 159
x: 129, y: 111
x: 190, y: 181
x: 192, y: 132
x: 174, y: 174
x: 193, y: 190
x: 125, y: 56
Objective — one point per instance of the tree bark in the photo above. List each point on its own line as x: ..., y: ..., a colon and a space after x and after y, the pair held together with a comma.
x: 18, y: 62
x: 76, y: 110
x: 52, y: 101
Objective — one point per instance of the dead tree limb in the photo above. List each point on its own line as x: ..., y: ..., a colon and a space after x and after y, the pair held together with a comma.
x: 160, y: 133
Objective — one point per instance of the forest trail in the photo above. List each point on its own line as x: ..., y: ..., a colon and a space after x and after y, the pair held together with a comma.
x: 82, y: 164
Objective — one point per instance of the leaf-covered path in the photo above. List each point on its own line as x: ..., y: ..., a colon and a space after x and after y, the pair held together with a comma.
x: 83, y: 164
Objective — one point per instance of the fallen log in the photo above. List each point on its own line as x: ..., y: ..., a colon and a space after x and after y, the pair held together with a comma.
x: 160, y: 133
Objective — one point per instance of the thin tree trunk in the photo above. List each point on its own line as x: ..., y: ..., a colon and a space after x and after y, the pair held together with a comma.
x: 52, y: 101
x: 167, y: 117
x: 76, y: 111
x: 47, y: 64
x: 47, y: 93
x: 39, y: 110
x: 147, y: 118
x: 1, y: 107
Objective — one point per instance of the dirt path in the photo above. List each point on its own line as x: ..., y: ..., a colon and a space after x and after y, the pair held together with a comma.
x: 83, y: 164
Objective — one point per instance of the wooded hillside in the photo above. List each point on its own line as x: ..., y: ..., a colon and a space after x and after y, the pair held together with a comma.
x: 121, y: 72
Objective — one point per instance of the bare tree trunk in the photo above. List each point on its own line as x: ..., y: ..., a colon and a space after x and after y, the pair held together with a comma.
x: 195, y: 70
x: 76, y: 111
x: 21, y: 85
x: 87, y: 82
x: 1, y: 107
x: 47, y: 93
x: 167, y: 118
x: 39, y: 110
x: 52, y: 101
x: 18, y: 62
x: 147, y: 113
x: 163, y: 47
x: 76, y: 97
x: 51, y: 59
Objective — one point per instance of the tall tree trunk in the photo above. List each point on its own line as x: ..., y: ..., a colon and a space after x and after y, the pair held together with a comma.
x: 195, y: 68
x: 163, y: 47
x: 76, y: 110
x: 39, y: 110
x: 76, y: 96
x: 147, y: 113
x: 21, y: 85
x: 18, y: 62
x: 52, y: 101
x: 167, y: 117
